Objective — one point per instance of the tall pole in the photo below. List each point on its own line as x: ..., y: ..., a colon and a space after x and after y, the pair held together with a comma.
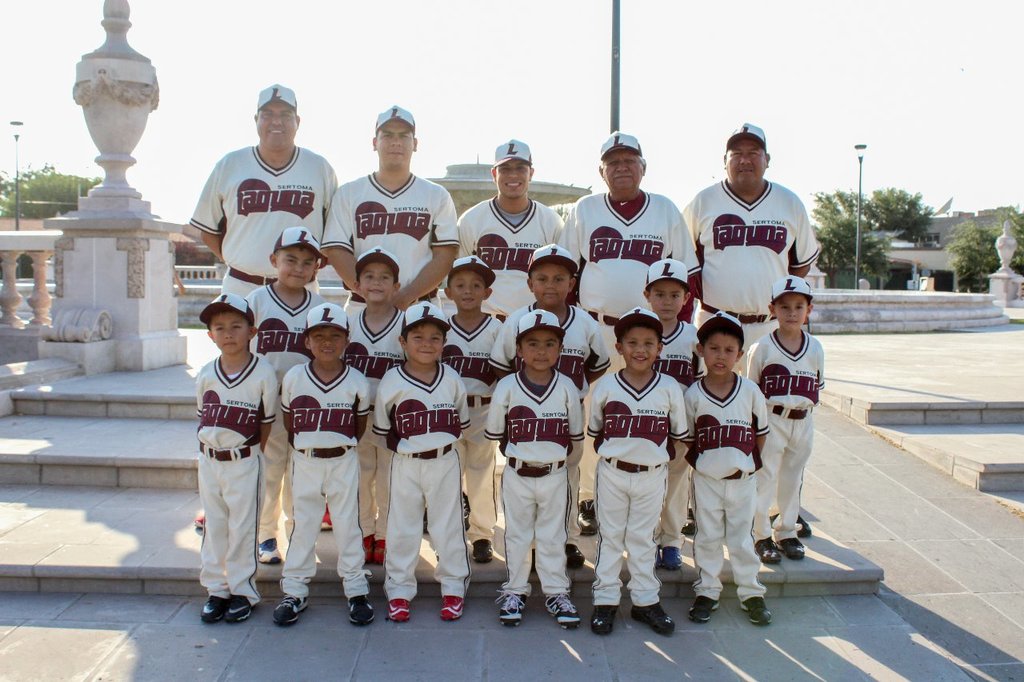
x: 860, y: 198
x: 616, y: 59
x: 17, y: 177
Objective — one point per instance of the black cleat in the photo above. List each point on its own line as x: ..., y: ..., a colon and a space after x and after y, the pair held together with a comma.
x: 287, y: 612
x: 573, y: 556
x: 214, y: 609
x: 690, y: 527
x: 792, y: 548
x: 654, y: 616
x: 359, y: 610
x: 588, y: 517
x: 757, y: 611
x: 700, y: 611
x: 483, y: 551
x: 803, y: 529
x: 768, y: 551
x: 603, y: 619
x: 239, y: 609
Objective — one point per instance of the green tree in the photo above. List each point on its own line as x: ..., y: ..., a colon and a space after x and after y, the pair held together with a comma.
x: 835, y: 214
x: 898, y: 213
x: 44, y: 193
x: 973, y: 255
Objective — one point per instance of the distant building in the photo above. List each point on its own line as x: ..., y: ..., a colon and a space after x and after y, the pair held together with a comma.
x: 908, y: 261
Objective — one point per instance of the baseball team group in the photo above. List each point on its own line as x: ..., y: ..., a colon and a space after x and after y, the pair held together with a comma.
x: 644, y: 374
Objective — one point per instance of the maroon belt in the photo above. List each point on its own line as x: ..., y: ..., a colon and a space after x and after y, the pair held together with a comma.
x: 431, y: 454
x: 790, y: 414
x: 736, y: 476
x: 744, y: 318
x: 226, y: 455
x: 607, y: 319
x: 327, y: 453
x: 251, y: 279
x: 530, y: 471
x: 480, y: 400
x: 631, y: 468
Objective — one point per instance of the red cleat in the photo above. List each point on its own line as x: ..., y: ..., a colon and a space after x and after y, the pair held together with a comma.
x: 379, y: 550
x: 368, y: 549
x: 451, y: 607
x: 398, y: 610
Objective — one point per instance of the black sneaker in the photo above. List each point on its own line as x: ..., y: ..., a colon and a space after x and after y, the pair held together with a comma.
x: 700, y: 610
x: 803, y: 529
x: 768, y: 551
x: 214, y: 609
x: 654, y: 616
x: 425, y: 530
x: 573, y: 556
x: 359, y: 610
x: 690, y: 527
x: 465, y: 512
x: 757, y: 611
x: 588, y: 517
x: 239, y: 609
x: 792, y: 548
x: 511, y: 607
x: 563, y: 610
x: 287, y: 612
x: 603, y: 619
x: 483, y: 551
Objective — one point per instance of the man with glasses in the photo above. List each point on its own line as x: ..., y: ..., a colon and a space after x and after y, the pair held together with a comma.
x: 254, y: 193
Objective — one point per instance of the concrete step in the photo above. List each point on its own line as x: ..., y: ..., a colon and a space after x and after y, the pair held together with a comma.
x: 97, y: 539
x: 879, y: 311
x: 18, y: 374
x: 99, y: 451
x: 925, y: 411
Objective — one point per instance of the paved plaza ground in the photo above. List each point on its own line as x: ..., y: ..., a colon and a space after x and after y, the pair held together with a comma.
x: 951, y: 606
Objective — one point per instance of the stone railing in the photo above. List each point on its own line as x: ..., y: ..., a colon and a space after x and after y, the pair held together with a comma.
x: 39, y: 246
x: 193, y: 273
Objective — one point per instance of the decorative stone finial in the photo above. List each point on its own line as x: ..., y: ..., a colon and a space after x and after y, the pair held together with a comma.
x: 1005, y: 247
x: 115, y: 23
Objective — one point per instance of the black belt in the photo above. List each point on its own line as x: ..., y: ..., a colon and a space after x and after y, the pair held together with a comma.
x: 607, y: 319
x: 327, y: 453
x: 534, y: 471
x: 744, y: 318
x: 226, y: 455
x: 631, y: 468
x: 251, y: 279
x: 431, y: 454
x: 788, y: 413
x: 480, y: 400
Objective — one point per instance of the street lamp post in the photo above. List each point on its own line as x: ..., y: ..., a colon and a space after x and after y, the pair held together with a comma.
x: 860, y: 194
x: 616, y: 61
x: 17, y: 176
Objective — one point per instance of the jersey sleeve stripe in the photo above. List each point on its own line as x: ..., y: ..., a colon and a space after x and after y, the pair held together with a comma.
x: 808, y: 261
x: 379, y: 431
x: 493, y: 436
x: 205, y: 228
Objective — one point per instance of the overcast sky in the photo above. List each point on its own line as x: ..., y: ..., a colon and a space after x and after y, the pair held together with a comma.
x: 933, y: 88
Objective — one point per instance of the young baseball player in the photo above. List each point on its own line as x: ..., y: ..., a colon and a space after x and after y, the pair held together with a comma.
x: 536, y: 415
x: 373, y: 349
x: 584, y: 357
x: 421, y: 410
x: 504, y: 231
x: 789, y: 366
x: 236, y: 397
x: 280, y: 311
x: 728, y: 423
x: 635, y: 413
x: 325, y: 404
x: 667, y: 292
x: 467, y: 350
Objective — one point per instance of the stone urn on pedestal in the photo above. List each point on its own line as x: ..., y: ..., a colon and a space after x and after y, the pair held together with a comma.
x: 1005, y: 284
x: 113, y: 267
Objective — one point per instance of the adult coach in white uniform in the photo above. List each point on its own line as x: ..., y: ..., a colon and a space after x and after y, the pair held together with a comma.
x: 749, y: 233
x: 411, y: 217
x: 506, y: 229
x: 616, y: 237
x: 254, y: 193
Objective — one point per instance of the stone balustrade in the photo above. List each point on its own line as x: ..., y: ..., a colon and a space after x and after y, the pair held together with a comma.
x: 200, y: 273
x: 39, y: 246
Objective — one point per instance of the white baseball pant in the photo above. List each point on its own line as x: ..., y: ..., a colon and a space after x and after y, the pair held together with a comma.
x: 787, y: 449
x: 374, y: 484
x: 230, y: 493
x: 315, y: 483
x: 628, y: 507
x: 588, y: 463
x: 434, y: 484
x: 572, y: 469
x: 751, y: 334
x: 477, y: 459
x: 536, y: 511
x: 677, y: 498
x: 724, y: 511
x: 277, y: 486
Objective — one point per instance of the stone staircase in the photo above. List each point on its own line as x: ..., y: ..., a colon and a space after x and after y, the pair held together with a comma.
x: 97, y: 493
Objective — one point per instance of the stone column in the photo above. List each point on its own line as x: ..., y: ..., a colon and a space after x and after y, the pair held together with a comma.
x: 114, y: 265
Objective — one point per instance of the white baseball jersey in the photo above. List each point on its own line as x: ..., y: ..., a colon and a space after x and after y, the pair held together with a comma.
x: 414, y: 416
x: 486, y: 233
x: 468, y: 352
x: 408, y: 222
x: 250, y: 204
x: 678, y: 354
x: 791, y: 380
x: 535, y: 427
x: 617, y: 252
x: 583, y: 348
x: 635, y: 425
x: 279, y: 338
x: 323, y: 410
x: 723, y: 430
x: 762, y: 240
x: 374, y: 353
x: 231, y: 409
